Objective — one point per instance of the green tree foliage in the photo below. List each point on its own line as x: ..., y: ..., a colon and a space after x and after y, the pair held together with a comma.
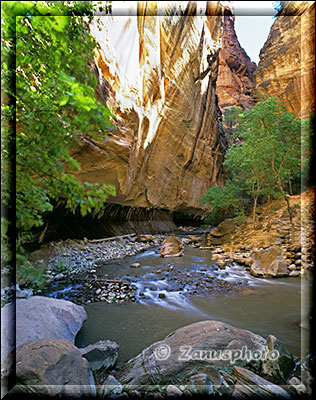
x: 50, y: 98
x: 225, y: 201
x: 307, y: 150
x: 267, y: 150
x: 275, y: 137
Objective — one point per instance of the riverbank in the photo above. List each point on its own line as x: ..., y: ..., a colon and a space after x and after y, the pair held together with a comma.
x: 63, y: 260
x: 75, y: 263
x: 242, y: 241
x: 159, y: 295
x: 75, y: 271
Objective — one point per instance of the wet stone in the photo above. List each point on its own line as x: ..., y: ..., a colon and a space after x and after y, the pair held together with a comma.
x: 135, y: 265
x: 84, y: 287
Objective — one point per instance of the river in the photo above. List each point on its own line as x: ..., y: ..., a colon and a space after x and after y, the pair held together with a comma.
x: 165, y: 303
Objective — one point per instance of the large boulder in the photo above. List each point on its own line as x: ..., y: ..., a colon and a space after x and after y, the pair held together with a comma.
x: 48, y: 362
x: 101, y: 355
x: 222, y: 233
x: 269, y: 263
x: 192, y: 350
x: 39, y: 317
x: 171, y: 247
x: 249, y: 385
x: 225, y: 227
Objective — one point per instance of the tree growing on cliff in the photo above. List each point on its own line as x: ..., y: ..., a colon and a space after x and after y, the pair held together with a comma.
x: 269, y: 150
x: 49, y: 102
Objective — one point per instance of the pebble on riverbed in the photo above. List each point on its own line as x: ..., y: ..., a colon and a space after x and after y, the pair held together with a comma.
x: 64, y: 261
x: 96, y: 290
x: 76, y: 256
x: 71, y: 258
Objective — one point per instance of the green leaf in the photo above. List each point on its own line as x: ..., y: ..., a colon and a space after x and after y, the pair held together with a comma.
x: 52, y: 58
x: 64, y: 100
x: 60, y: 23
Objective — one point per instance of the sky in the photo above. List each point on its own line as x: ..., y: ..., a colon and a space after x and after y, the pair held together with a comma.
x: 252, y: 24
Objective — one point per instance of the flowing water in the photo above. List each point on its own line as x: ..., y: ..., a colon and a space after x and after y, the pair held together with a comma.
x: 172, y: 299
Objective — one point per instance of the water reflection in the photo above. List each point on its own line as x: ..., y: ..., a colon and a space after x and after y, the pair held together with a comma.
x: 267, y: 306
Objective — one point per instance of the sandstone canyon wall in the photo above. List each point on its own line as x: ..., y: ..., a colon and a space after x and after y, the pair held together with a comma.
x: 166, y: 70
x: 287, y: 59
x: 157, y: 69
x: 235, y: 80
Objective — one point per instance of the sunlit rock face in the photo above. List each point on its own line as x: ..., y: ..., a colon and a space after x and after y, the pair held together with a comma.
x: 235, y: 80
x: 287, y: 59
x: 157, y: 67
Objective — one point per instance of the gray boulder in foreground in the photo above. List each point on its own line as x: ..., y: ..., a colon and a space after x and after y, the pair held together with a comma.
x: 39, y: 317
x: 101, y: 355
x: 185, y: 352
x: 46, y: 366
x: 249, y: 385
x: 111, y: 386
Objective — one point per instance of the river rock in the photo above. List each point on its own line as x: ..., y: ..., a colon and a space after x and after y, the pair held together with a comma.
x: 145, y: 238
x: 173, y: 391
x: 297, y: 388
x: 135, y: 265
x: 193, y: 239
x: 163, y: 362
x: 221, y: 264
x: 250, y: 385
x: 49, y: 362
x: 280, y: 369
x: 230, y: 380
x: 111, y: 386
x: 101, y: 355
x: 171, y: 247
x: 296, y: 247
x: 225, y: 227
x: 201, y: 384
x: 247, y: 261
x: 222, y: 233
x: 218, y: 250
x: 39, y: 317
x: 23, y: 294
x: 269, y: 263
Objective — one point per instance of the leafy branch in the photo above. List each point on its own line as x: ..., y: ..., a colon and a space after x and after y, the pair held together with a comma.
x: 49, y: 102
